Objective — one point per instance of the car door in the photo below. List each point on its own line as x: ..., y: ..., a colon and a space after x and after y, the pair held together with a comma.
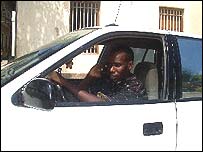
x: 138, y: 125
x: 189, y: 105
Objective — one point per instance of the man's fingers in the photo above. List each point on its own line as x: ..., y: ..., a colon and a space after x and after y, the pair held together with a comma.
x: 69, y: 64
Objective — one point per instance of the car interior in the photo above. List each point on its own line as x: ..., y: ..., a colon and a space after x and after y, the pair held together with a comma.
x: 148, y: 60
x: 148, y: 63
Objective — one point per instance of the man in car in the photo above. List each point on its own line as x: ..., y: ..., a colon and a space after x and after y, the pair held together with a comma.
x: 110, y: 82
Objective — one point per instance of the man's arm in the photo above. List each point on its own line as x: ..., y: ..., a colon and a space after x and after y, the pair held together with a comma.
x: 81, y: 94
x: 93, y: 75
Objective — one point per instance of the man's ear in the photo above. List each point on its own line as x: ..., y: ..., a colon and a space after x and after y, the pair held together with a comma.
x: 130, y: 65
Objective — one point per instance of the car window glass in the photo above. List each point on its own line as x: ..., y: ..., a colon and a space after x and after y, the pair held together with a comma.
x: 139, y: 54
x: 23, y: 63
x: 191, y: 59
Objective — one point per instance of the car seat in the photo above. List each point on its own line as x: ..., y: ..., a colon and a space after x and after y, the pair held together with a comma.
x: 147, y: 73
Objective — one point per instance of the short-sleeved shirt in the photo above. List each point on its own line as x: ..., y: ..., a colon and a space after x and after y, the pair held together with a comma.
x: 124, y: 90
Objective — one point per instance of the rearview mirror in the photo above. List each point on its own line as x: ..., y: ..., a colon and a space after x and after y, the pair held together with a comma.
x: 39, y: 94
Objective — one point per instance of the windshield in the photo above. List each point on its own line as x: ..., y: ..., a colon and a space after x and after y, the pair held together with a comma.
x: 22, y: 64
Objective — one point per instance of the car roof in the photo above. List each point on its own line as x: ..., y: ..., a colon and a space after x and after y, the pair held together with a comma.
x: 113, y: 27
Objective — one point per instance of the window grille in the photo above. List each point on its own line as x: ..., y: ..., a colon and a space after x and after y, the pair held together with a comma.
x: 84, y: 14
x: 171, y: 19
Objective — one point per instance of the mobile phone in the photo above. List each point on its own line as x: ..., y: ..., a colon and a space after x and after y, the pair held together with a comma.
x: 104, y: 70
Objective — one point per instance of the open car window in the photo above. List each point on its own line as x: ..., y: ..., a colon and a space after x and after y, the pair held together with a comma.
x: 147, y: 67
x: 148, y: 56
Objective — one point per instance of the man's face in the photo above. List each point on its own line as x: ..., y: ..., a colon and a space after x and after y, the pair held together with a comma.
x: 119, y: 66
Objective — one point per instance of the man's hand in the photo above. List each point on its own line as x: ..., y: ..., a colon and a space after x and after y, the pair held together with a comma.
x: 56, y: 77
x: 93, y: 74
x: 69, y: 64
x: 95, y: 71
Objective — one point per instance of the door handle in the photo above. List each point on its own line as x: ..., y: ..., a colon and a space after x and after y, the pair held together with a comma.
x: 155, y: 128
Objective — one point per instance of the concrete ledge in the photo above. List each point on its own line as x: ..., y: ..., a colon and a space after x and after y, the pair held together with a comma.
x: 4, y: 62
x: 74, y: 75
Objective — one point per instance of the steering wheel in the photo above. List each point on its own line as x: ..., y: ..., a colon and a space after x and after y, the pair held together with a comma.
x: 61, y: 93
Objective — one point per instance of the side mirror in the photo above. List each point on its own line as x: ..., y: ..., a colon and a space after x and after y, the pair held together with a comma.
x: 39, y: 94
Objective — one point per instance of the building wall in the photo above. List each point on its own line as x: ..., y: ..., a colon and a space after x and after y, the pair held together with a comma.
x: 193, y: 24
x: 192, y: 15
x: 132, y: 13
x: 145, y: 14
x: 39, y: 22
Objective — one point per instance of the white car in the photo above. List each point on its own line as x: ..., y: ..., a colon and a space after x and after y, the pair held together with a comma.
x: 37, y: 115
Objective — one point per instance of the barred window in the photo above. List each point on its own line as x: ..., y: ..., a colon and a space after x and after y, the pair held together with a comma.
x: 84, y: 14
x: 171, y: 19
